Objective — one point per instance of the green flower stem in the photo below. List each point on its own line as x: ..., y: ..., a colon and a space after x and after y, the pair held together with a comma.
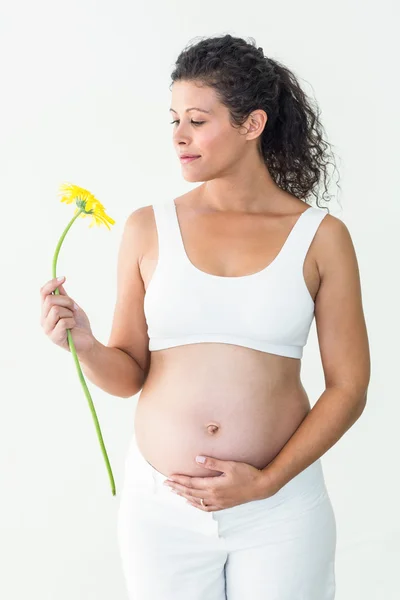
x: 78, y: 367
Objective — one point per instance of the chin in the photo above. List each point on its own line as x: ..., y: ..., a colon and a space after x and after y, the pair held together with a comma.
x: 192, y: 178
x: 197, y: 177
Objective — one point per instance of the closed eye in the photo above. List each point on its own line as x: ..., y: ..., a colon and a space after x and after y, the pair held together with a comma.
x: 194, y: 122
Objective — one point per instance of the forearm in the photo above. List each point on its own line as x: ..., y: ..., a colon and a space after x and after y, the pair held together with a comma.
x: 332, y: 415
x: 112, y: 370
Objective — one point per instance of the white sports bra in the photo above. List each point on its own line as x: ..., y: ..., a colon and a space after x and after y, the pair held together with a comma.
x: 270, y: 310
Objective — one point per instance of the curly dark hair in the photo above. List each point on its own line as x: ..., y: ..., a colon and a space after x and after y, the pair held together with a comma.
x: 291, y: 144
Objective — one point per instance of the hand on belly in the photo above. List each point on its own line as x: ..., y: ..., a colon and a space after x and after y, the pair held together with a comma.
x: 239, y: 483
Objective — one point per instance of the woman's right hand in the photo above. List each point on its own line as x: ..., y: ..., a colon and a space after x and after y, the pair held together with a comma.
x: 59, y: 314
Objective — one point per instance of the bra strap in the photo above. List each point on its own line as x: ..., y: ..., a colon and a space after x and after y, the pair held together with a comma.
x: 169, y: 246
x: 303, y: 235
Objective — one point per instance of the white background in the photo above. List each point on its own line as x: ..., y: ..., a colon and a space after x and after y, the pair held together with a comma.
x: 85, y: 98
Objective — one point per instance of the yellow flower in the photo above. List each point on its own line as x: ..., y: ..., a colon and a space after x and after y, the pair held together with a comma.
x: 86, y: 202
x: 86, y: 205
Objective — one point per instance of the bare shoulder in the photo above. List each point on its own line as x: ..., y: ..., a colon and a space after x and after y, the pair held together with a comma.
x: 140, y: 219
x: 138, y: 230
x: 333, y: 244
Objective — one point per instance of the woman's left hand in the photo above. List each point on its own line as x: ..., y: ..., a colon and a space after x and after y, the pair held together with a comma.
x: 238, y: 483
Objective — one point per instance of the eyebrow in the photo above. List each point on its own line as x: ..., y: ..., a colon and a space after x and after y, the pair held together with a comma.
x: 194, y: 108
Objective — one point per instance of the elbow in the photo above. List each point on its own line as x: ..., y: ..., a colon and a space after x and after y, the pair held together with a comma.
x: 135, y: 389
x: 363, y: 394
x: 132, y: 391
x: 360, y: 401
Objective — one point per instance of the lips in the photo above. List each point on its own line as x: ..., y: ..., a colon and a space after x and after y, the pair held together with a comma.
x: 189, y: 156
x: 185, y: 160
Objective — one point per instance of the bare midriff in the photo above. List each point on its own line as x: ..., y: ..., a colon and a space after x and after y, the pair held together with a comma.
x: 219, y: 400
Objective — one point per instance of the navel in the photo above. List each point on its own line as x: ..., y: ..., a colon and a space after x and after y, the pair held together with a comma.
x: 212, y: 428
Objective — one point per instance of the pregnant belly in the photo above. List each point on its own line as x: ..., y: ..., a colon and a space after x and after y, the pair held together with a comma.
x: 180, y: 414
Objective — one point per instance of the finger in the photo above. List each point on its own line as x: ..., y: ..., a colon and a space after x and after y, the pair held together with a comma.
x: 64, y: 324
x: 61, y: 289
x: 50, y: 287
x: 54, y: 300
x: 55, y: 315
x: 191, y: 482
x: 207, y: 508
x: 195, y: 499
x: 191, y: 492
x: 215, y: 464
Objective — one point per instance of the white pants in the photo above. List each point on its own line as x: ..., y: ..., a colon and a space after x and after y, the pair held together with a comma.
x: 278, y: 548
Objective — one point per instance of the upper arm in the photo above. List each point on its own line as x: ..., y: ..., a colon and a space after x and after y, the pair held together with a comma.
x: 129, y: 326
x: 339, y: 315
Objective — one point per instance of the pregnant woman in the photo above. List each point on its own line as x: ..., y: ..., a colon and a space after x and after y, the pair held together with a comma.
x: 217, y: 290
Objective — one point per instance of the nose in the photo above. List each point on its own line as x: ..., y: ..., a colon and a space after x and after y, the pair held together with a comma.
x: 181, y: 134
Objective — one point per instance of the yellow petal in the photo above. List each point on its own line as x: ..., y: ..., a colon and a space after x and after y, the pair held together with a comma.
x: 86, y: 202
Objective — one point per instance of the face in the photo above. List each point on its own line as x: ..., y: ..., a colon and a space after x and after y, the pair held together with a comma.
x: 208, y: 135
